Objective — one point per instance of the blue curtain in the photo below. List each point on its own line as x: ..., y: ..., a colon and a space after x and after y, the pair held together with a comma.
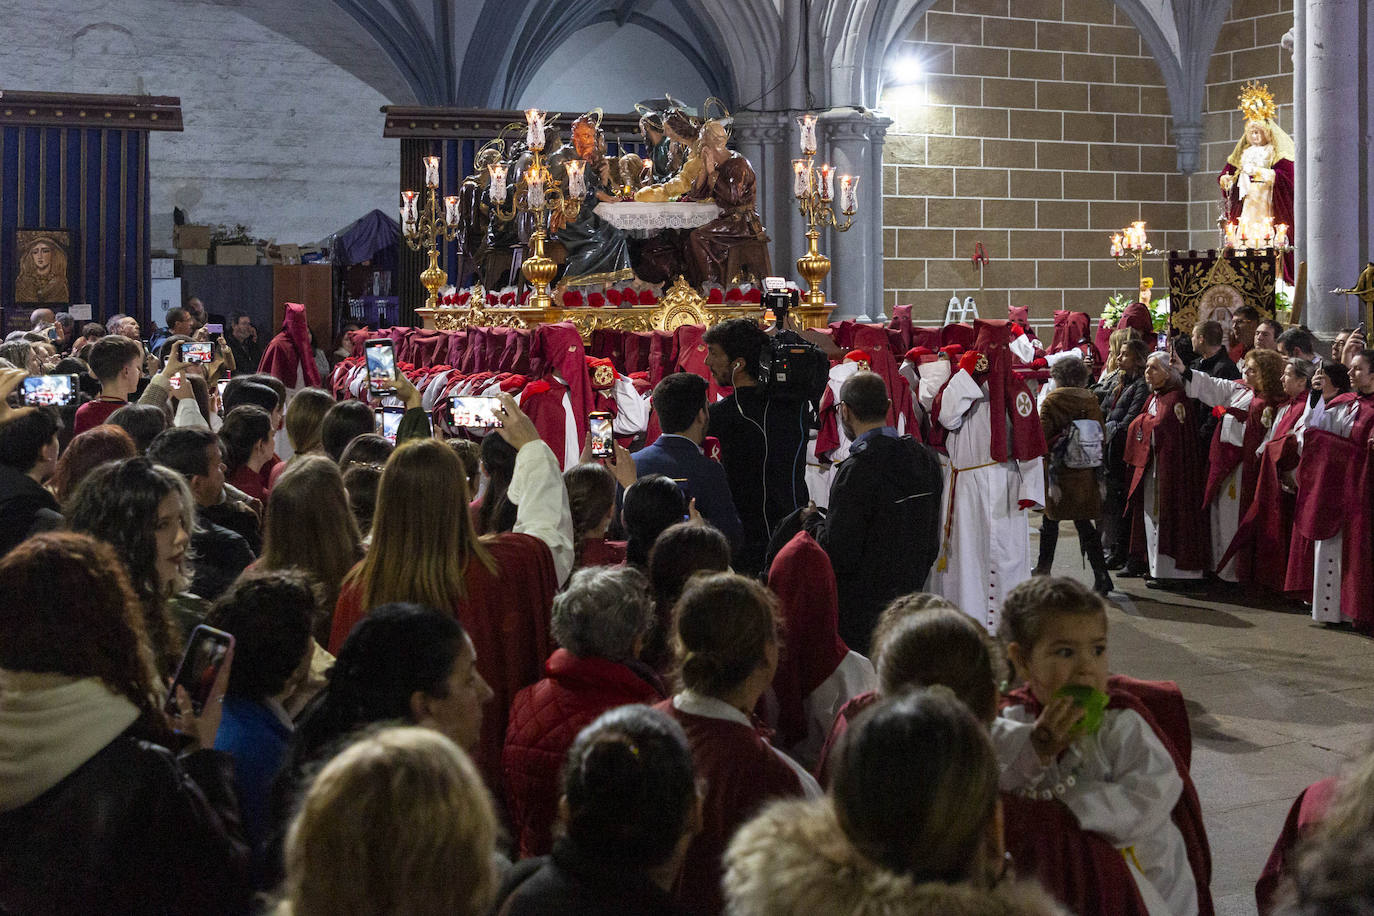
x: 93, y: 183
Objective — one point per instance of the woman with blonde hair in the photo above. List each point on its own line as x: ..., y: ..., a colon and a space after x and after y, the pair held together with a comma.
x: 399, y: 822
x: 501, y: 587
x: 303, y: 422
x: 1111, y: 369
x: 309, y: 527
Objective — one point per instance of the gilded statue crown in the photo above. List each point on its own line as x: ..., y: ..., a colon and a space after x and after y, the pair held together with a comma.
x: 1257, y: 102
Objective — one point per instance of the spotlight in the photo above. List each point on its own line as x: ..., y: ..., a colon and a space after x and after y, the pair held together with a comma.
x: 907, y: 70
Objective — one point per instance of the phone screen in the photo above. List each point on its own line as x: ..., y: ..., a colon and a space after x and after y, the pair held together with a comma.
x: 685, y: 486
x: 381, y: 366
x: 603, y: 437
x: 196, y: 352
x: 214, y: 330
x: 206, y: 651
x: 476, y: 412
x: 49, y: 390
x: 388, y: 420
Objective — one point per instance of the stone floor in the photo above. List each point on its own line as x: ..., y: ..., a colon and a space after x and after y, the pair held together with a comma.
x: 1276, y: 702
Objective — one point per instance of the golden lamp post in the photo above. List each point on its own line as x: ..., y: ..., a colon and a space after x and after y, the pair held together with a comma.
x: 814, y: 188
x: 540, y: 193
x: 1130, y: 247
x: 429, y: 229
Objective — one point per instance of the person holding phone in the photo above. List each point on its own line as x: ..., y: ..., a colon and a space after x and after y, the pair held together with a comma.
x: 28, y: 457
x: 680, y: 402
x: 97, y: 811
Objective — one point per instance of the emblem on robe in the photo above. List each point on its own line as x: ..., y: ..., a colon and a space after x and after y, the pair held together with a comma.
x: 603, y: 377
x: 1181, y: 412
x: 1267, y: 418
x: 862, y: 364
x: 1023, y: 404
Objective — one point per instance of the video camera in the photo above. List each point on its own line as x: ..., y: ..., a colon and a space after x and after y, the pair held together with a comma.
x: 790, y: 365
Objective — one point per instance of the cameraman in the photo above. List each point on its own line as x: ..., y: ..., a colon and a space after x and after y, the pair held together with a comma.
x: 762, y: 439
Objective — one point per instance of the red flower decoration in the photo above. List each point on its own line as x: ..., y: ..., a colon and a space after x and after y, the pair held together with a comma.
x: 754, y: 296
x: 647, y: 297
x: 572, y: 299
x: 1219, y: 411
x: 508, y: 298
x: 734, y: 295
x: 714, y: 297
x: 613, y: 297
x: 596, y: 300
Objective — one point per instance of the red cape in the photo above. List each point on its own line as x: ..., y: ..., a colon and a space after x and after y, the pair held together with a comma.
x: 290, y: 351
x: 1263, y: 541
x: 1010, y: 400
x: 1170, y: 437
x: 1307, y: 812
x: 1225, y: 458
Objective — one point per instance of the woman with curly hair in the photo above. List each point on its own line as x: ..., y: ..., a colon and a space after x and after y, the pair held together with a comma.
x: 145, y: 512
x: 1246, y: 411
x: 96, y: 810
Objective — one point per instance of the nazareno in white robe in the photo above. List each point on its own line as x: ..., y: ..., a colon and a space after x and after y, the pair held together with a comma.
x: 988, y: 549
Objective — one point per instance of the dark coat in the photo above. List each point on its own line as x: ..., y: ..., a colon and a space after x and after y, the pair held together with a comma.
x: 132, y: 830
x: 679, y: 458
x: 569, y: 884
x: 882, y: 528
x: 25, y: 509
x: 1071, y: 493
x: 220, y: 555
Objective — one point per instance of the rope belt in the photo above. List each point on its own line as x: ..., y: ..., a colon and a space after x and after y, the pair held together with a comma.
x: 949, y: 515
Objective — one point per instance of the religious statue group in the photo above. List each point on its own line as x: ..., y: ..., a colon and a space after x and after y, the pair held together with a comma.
x: 687, y: 160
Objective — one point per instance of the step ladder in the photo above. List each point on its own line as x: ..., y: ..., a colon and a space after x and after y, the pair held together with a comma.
x: 956, y: 313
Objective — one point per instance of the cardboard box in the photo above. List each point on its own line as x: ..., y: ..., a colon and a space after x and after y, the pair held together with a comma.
x: 163, y: 269
x: 290, y: 254
x: 191, y: 236
x: 200, y: 256
x: 236, y: 255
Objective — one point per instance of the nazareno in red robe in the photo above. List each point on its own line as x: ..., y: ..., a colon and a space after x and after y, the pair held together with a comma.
x: 1335, y: 494
x: 1056, y: 859
x: 1265, y: 536
x: 1170, y: 438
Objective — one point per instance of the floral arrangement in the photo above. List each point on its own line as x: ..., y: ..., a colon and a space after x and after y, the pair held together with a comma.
x: 1159, y: 313
x: 1283, y: 300
x: 1116, y: 304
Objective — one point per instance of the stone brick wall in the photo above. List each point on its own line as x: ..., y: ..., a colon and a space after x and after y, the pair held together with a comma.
x: 280, y: 136
x: 1036, y: 135
x: 1247, y: 48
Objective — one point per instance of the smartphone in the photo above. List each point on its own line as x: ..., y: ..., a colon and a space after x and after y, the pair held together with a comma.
x: 50, y: 390
x: 214, y: 330
x: 381, y: 365
x: 474, y: 412
x: 220, y: 386
x: 603, y: 437
x: 685, y: 486
x: 175, y: 382
x: 206, y: 651
x: 388, y: 421
x: 195, y: 352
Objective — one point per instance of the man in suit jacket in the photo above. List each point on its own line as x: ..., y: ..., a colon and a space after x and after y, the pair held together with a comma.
x: 680, y: 402
x: 882, y: 527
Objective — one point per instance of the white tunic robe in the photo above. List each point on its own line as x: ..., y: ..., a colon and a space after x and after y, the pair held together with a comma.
x: 1121, y: 783
x: 988, y: 549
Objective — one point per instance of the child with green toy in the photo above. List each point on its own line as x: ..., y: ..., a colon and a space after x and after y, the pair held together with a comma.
x: 1058, y: 740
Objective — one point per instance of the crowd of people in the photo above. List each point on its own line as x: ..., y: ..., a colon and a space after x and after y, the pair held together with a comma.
x: 745, y: 663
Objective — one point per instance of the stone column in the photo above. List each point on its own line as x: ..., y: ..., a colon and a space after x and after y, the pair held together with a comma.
x: 856, y: 255
x: 1336, y: 174
x: 871, y: 199
x: 761, y: 137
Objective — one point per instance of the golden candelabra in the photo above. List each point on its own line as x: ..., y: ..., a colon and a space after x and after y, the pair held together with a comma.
x: 538, y: 192
x: 1130, y: 248
x: 429, y: 230
x: 815, y: 190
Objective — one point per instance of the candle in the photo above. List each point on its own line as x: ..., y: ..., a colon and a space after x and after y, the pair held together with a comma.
x: 827, y: 182
x: 409, y: 207
x: 431, y: 171
x: 801, y: 177
x: 451, y: 210
x: 849, y: 194
x: 1281, y: 236
x: 534, y: 137
x: 577, y: 186
x: 534, y: 190
x: 497, y: 171
x: 807, y: 123
x: 1116, y: 246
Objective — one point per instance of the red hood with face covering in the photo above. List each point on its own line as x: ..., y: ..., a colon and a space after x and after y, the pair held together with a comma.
x: 290, y: 351
x: 1016, y: 432
x: 559, y: 348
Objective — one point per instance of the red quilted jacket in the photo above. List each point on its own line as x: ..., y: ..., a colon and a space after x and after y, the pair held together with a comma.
x: 544, y: 720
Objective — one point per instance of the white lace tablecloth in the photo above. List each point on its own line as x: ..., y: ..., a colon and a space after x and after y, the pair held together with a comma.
x: 645, y: 218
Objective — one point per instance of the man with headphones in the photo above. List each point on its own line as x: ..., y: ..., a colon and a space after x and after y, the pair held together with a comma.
x: 762, y: 438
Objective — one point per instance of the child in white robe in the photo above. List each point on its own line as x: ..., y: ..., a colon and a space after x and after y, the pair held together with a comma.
x: 1119, y: 782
